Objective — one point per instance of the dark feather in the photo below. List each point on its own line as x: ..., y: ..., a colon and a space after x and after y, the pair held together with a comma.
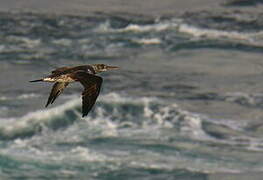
x: 60, y: 70
x: 57, y: 89
x: 92, y: 85
x: 37, y: 80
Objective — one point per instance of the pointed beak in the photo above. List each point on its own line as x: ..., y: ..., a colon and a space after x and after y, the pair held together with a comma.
x: 112, y: 67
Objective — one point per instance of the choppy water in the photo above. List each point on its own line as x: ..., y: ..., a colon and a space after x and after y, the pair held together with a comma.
x: 186, y: 103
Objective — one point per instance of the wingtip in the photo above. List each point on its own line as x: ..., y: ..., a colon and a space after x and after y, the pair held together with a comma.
x: 37, y: 80
x: 47, y: 104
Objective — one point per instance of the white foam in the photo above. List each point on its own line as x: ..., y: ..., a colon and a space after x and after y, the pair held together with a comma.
x: 254, y: 39
x: 161, y: 26
x: 84, y: 154
x: 3, y: 98
x: 62, y: 42
x: 104, y: 27
x: 148, y: 41
x: 153, y: 160
x: 153, y: 113
x: 20, y: 142
x: 20, y: 97
x: 192, y: 124
x: 28, y: 96
x: 163, y: 115
x: 31, y: 43
x: 117, y: 98
x: 11, y: 125
x: 211, y: 33
x: 2, y: 48
x: 27, y: 42
x: 157, y: 26
x: 255, y: 145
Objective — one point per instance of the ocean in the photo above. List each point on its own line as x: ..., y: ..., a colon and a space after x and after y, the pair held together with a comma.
x: 185, y: 104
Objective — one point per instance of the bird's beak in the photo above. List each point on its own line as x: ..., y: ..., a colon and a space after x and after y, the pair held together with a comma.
x: 112, y: 67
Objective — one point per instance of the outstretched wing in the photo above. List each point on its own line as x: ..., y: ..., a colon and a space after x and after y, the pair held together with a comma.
x: 57, y: 89
x: 92, y: 85
x: 59, y: 70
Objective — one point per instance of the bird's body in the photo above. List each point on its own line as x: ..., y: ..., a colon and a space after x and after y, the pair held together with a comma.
x: 85, y: 74
x: 64, y: 74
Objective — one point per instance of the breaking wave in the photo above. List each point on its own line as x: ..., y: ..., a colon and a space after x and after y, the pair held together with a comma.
x: 122, y: 112
x: 69, y: 37
x: 182, y: 28
x: 115, y: 113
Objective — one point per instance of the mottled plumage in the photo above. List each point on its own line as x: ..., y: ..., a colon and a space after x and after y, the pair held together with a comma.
x: 85, y: 74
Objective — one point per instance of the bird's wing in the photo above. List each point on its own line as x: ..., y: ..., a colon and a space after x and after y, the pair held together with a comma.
x: 57, y: 89
x: 92, y: 84
x: 59, y: 70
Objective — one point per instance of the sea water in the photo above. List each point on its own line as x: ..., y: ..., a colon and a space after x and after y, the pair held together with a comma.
x: 186, y: 102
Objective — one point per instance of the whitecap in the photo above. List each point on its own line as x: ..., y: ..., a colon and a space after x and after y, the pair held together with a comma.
x: 148, y: 41
x: 212, y: 33
x: 112, y: 113
x: 104, y: 27
x: 84, y: 154
x: 33, y: 121
x: 62, y: 42
x: 160, y: 26
x: 28, y: 96
x: 3, y: 98
x: 27, y: 42
x: 157, y: 26
x: 251, y: 39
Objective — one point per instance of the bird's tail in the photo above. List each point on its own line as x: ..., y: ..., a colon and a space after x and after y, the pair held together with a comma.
x: 37, y: 80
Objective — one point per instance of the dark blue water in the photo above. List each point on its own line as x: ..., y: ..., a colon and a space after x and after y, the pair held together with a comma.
x: 186, y: 103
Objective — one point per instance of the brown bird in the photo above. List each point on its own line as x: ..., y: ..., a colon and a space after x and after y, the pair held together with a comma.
x: 85, y: 74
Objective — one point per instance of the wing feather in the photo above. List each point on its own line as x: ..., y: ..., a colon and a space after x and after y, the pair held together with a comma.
x: 57, y: 89
x: 92, y: 86
x: 60, y: 70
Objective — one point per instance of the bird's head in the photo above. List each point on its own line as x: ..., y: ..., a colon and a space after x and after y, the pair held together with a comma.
x: 102, y: 67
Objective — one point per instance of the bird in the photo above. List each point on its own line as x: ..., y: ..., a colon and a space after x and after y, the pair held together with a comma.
x: 85, y: 74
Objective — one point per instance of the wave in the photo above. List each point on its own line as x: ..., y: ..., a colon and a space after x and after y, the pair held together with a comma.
x: 62, y: 42
x: 33, y: 122
x: 242, y: 3
x: 115, y: 113
x: 20, y: 97
x: 3, y: 98
x: 119, y: 112
x: 162, y: 26
x: 24, y: 41
x: 211, y: 33
x: 140, y: 28
x: 251, y: 39
x: 28, y: 96
x: 181, y: 27
x: 111, y: 35
x: 148, y: 41
x: 250, y: 100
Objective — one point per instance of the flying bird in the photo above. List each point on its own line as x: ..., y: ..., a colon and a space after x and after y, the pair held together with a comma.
x: 85, y: 74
